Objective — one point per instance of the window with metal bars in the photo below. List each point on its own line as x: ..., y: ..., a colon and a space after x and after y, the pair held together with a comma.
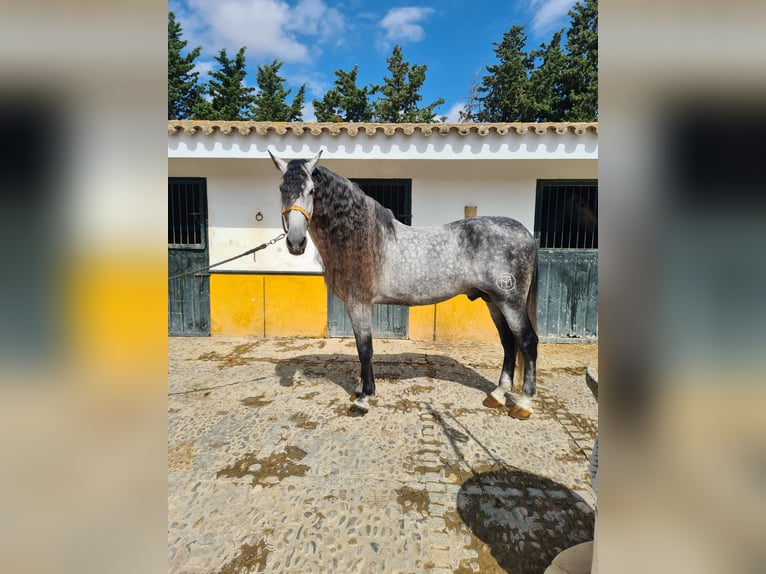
x: 187, y: 212
x: 395, y: 194
x: 566, y: 214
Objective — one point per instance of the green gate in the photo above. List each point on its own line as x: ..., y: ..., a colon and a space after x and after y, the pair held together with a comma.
x: 188, y: 297
x: 566, y: 229
x: 388, y: 321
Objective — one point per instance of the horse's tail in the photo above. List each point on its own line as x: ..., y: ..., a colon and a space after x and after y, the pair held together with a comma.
x: 532, y: 298
x: 532, y: 314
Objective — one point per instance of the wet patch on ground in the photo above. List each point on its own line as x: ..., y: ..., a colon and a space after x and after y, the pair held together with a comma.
x: 251, y: 558
x: 270, y: 470
x: 257, y: 402
x: 302, y: 421
x: 413, y: 499
x: 234, y: 359
x: 296, y: 344
x: 403, y: 405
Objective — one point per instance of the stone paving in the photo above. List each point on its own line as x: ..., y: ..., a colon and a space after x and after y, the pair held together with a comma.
x: 269, y: 471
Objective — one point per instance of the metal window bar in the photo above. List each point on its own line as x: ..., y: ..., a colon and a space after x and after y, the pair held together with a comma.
x: 186, y: 210
x: 567, y: 214
x: 395, y: 194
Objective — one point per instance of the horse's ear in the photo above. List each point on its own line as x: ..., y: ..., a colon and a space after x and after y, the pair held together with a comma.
x: 311, y: 164
x: 280, y: 163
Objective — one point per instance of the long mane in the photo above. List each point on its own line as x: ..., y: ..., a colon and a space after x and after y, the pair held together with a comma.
x: 349, y: 229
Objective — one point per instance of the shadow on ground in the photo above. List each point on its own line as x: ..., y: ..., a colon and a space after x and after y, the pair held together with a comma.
x: 524, y: 519
x: 343, y: 369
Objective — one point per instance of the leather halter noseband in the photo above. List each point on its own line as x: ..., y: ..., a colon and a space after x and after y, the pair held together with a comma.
x: 299, y: 209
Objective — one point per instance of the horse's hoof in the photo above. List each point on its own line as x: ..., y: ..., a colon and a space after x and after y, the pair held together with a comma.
x: 519, y: 413
x: 361, y: 404
x: 352, y: 397
x: 492, y: 403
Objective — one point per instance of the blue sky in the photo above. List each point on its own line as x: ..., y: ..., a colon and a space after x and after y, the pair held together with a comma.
x: 315, y: 37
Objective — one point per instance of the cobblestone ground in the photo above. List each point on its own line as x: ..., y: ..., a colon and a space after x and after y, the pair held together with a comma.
x: 270, y: 472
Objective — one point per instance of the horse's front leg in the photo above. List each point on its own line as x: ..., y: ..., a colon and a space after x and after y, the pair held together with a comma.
x: 361, y: 321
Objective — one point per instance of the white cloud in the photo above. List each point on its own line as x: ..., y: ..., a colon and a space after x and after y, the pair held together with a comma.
x: 204, y: 68
x: 548, y: 13
x: 308, y: 112
x: 403, y: 23
x: 453, y: 113
x: 267, y: 28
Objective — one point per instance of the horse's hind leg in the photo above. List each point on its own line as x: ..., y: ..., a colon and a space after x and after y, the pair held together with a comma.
x: 524, y: 333
x: 496, y: 398
x: 361, y: 321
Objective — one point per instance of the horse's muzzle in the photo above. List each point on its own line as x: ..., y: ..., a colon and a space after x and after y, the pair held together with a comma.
x: 296, y: 248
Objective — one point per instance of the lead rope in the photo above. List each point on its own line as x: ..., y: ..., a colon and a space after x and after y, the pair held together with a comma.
x: 248, y: 252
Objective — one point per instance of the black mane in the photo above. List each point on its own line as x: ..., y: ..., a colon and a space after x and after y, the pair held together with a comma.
x: 345, y: 203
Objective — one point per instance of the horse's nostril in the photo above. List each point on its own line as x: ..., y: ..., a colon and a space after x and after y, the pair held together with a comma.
x: 296, y: 247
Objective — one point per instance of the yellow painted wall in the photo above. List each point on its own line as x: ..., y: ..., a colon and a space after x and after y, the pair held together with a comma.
x: 296, y: 306
x: 268, y: 305
x: 236, y: 304
x: 460, y: 318
x: 422, y: 323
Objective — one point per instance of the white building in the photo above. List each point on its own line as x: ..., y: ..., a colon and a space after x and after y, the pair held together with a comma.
x: 224, y: 199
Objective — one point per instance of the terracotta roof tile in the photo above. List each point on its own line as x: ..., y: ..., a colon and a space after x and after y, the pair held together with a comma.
x: 191, y: 127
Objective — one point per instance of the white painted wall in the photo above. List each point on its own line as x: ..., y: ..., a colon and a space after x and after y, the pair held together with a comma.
x: 238, y: 188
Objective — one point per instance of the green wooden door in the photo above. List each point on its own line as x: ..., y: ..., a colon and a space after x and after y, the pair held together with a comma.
x: 388, y: 321
x: 188, y: 297
x: 566, y: 228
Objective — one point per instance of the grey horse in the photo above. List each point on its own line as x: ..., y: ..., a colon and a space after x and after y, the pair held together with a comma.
x: 369, y: 257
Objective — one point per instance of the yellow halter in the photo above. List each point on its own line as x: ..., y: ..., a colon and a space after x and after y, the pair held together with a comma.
x: 299, y: 209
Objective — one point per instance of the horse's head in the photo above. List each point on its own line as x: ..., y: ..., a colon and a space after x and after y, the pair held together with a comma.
x: 297, y: 189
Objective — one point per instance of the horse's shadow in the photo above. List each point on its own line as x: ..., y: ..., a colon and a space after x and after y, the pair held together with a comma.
x: 343, y: 370
x: 524, y: 519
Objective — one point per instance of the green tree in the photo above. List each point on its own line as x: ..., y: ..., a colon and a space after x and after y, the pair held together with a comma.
x: 400, y: 93
x: 507, y: 88
x: 184, y: 91
x: 229, y: 98
x: 548, y: 84
x: 345, y: 102
x: 581, y: 72
x: 271, y: 99
x: 547, y: 81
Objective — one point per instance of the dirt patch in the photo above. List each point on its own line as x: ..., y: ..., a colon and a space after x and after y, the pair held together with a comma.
x: 267, y: 471
x: 181, y: 456
x: 234, y: 359
x: 256, y: 402
x: 403, y: 405
x: 251, y: 558
x: 418, y: 389
x: 302, y: 421
x: 293, y: 345
x: 309, y: 396
x: 413, y: 499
